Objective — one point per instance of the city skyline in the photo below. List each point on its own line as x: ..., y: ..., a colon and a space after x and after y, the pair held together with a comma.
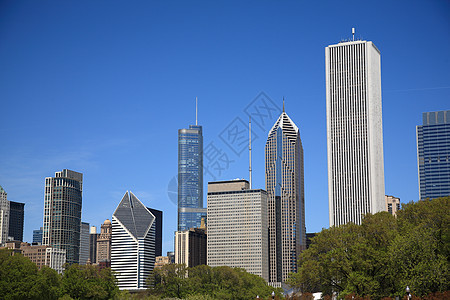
x: 67, y: 85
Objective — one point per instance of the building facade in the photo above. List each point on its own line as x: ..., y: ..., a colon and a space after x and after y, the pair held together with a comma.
x: 16, y: 217
x: 84, y: 243
x: 40, y: 255
x: 191, y: 247
x: 132, y: 243
x: 158, y: 230
x: 4, y: 217
x: 62, y: 213
x: 104, y: 242
x: 286, y: 198
x: 190, y: 177
x: 93, y: 235
x: 37, y: 236
x: 237, y: 227
x: 433, y: 155
x: 354, y: 131
x: 392, y: 204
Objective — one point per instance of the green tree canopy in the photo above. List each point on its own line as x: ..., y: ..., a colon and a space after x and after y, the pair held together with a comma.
x: 382, y: 255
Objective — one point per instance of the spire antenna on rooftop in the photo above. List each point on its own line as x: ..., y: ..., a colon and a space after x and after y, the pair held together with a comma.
x: 353, y: 33
x: 283, y: 104
x: 250, y: 149
x: 196, y: 111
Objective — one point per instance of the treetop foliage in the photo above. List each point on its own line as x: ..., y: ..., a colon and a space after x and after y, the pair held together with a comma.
x: 383, y: 255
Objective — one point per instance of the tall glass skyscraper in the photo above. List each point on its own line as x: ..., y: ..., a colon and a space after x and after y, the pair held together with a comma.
x: 286, y: 198
x: 190, y: 177
x: 433, y: 155
x: 62, y: 213
x: 354, y: 131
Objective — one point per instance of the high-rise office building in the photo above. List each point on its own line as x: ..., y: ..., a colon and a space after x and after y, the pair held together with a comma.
x: 158, y: 230
x: 286, y: 198
x: 433, y: 155
x: 62, y: 213
x: 93, y: 235
x: 190, y: 246
x: 190, y: 177
x: 104, y: 242
x: 16, y: 215
x: 37, y: 236
x: 84, y: 243
x: 132, y: 243
x: 237, y: 227
x: 354, y: 131
x: 4, y: 217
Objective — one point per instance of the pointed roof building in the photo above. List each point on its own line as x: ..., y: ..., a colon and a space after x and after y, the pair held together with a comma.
x: 286, y: 198
x: 133, y: 243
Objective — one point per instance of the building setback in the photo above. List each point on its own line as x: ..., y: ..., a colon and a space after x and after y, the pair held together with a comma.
x: 16, y: 215
x: 237, y: 227
x: 190, y: 177
x: 286, y: 198
x: 62, y: 213
x: 354, y: 131
x: 433, y: 155
x: 133, y: 243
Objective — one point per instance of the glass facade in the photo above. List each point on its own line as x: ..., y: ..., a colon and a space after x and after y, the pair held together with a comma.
x: 190, y: 178
x: 62, y: 213
x: 433, y: 155
x: 286, y: 198
x: 16, y: 214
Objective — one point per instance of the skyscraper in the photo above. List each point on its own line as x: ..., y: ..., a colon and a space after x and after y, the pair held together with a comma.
x: 433, y: 154
x: 190, y: 246
x: 4, y: 217
x: 190, y: 177
x: 237, y: 227
x: 286, y: 198
x: 132, y: 243
x: 93, y: 235
x: 84, y: 243
x: 16, y: 214
x: 158, y: 230
x: 62, y: 213
x: 354, y: 131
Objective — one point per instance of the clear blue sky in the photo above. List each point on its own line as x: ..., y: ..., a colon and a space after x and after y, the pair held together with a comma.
x: 102, y: 87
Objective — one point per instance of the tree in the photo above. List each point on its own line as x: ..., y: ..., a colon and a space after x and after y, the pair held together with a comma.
x: 382, y: 255
x: 88, y: 282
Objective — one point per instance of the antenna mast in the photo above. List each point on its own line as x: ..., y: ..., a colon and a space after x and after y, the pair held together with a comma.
x: 250, y: 149
x: 196, y: 111
x: 353, y: 33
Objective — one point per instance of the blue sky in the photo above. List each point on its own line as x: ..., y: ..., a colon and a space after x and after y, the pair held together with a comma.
x: 102, y: 87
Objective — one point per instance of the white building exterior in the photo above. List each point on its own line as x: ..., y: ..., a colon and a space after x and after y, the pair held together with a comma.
x: 132, y: 243
x: 354, y: 131
x: 4, y: 217
x: 237, y: 227
x: 55, y: 259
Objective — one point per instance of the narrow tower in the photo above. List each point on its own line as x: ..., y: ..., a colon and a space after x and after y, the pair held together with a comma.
x: 190, y: 176
x: 286, y: 198
x: 354, y: 131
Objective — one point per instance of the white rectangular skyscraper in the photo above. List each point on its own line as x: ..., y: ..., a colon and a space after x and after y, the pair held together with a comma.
x: 237, y: 227
x: 354, y: 131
